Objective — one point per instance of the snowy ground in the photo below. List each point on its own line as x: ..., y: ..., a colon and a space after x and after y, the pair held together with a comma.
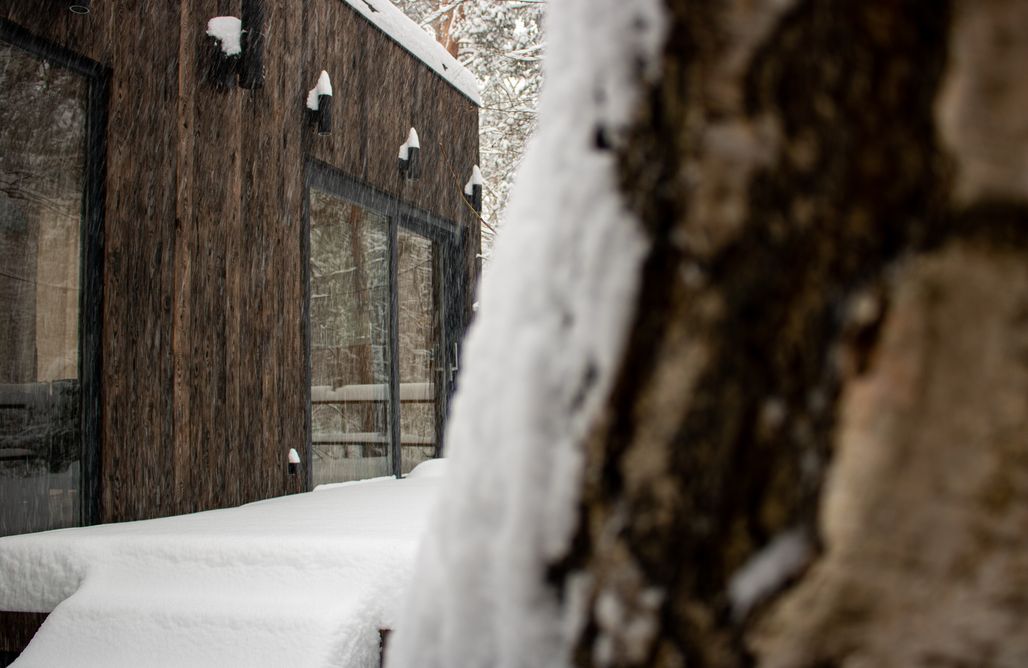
x: 304, y: 580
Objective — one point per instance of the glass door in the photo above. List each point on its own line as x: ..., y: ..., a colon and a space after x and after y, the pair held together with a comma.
x: 380, y: 355
x: 349, y: 340
x: 49, y: 227
x: 420, y: 325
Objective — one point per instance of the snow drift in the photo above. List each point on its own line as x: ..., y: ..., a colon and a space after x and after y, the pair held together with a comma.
x: 305, y: 580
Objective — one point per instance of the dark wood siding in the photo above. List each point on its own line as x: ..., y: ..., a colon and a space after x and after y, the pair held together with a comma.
x: 380, y: 93
x: 203, y: 355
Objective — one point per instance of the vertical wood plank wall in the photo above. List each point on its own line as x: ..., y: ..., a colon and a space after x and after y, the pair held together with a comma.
x: 380, y: 93
x: 203, y: 357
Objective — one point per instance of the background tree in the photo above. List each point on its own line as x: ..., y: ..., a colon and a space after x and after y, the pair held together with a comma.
x: 806, y: 444
x: 501, y: 42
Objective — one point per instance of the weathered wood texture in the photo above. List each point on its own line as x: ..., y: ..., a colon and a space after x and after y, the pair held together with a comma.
x: 203, y: 356
x: 380, y: 93
x: 17, y: 628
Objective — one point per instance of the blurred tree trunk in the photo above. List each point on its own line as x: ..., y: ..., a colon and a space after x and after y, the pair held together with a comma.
x: 816, y: 452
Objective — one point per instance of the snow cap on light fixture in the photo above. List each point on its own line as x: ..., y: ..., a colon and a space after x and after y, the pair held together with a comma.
x: 226, y: 34
x: 319, y: 103
x: 294, y: 461
x: 473, y: 189
x: 228, y: 31
x: 79, y: 6
x: 410, y: 150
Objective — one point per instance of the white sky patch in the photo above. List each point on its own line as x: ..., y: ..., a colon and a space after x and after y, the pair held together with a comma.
x: 766, y: 572
x: 228, y: 30
x: 323, y: 87
x: 553, y: 314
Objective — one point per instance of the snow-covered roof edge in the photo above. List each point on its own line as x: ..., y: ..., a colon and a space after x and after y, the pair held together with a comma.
x: 384, y: 15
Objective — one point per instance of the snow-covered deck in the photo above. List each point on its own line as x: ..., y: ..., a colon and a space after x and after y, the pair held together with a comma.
x: 304, y: 580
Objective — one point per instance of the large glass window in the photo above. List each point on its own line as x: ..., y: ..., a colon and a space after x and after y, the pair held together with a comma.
x: 379, y: 358
x: 419, y: 349
x: 349, y: 330
x: 44, y: 203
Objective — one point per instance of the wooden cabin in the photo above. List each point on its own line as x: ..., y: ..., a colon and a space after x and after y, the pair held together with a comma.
x: 207, y: 262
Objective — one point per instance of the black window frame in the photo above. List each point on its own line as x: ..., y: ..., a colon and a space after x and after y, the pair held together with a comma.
x: 449, y: 239
x: 91, y: 251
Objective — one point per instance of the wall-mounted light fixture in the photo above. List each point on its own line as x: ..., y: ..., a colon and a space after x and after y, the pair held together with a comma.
x: 294, y: 461
x: 79, y: 6
x: 251, y: 64
x: 473, y: 189
x: 410, y: 162
x: 226, y: 33
x: 319, y: 104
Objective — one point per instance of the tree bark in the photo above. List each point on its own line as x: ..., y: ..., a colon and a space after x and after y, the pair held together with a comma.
x: 445, y: 26
x: 816, y: 451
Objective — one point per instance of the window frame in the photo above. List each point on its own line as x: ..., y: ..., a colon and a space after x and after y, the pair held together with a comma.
x: 448, y: 240
x: 91, y: 254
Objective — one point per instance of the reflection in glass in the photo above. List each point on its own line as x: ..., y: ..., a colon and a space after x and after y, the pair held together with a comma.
x: 418, y: 355
x: 349, y: 284
x: 42, y: 182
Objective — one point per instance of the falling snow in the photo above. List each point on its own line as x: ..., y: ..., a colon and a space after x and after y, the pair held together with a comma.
x: 310, y: 579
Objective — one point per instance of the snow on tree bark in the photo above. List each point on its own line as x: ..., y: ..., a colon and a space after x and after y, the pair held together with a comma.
x: 812, y: 450
x: 546, y: 338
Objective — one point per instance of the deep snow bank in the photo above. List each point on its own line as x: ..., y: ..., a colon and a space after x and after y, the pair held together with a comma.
x: 304, y: 580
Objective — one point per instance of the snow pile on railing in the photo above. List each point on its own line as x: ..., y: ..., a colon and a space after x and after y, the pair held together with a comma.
x: 408, y: 34
x: 305, y: 580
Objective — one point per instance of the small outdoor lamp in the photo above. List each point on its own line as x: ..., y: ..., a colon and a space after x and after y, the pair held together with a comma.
x: 473, y: 189
x: 319, y: 104
x: 294, y: 461
x: 226, y: 34
x: 410, y: 165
